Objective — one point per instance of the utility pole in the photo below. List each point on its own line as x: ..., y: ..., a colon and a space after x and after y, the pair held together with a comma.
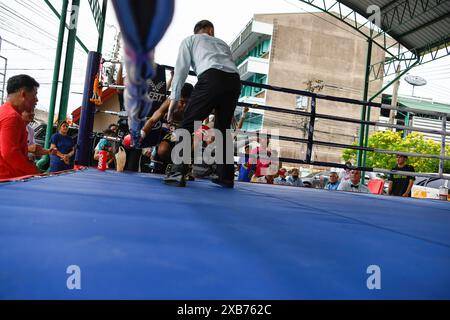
x: 312, y: 86
x: 2, y: 74
x: 393, y: 113
x: 115, y: 57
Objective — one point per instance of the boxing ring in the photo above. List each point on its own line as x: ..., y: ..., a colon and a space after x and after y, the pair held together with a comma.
x: 135, y: 238
x: 87, y: 234
x: 129, y: 236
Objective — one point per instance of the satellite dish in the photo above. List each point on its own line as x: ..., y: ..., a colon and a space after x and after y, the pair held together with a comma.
x: 415, y: 80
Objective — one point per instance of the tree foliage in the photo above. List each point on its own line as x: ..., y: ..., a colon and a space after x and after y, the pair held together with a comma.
x: 414, y: 142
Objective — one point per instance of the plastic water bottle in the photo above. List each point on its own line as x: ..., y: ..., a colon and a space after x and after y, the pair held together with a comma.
x: 443, y: 193
x: 102, y: 157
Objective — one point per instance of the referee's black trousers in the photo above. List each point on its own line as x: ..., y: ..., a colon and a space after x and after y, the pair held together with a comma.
x: 220, y: 91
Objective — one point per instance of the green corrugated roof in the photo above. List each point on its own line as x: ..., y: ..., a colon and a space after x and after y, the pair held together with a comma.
x: 422, y: 104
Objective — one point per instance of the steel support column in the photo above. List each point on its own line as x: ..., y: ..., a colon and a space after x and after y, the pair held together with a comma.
x: 68, y: 65
x: 57, y: 66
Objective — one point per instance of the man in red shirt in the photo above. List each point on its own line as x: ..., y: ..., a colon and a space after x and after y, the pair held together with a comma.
x: 22, y: 96
x: 262, y: 164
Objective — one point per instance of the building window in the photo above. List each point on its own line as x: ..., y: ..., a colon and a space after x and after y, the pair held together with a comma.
x: 266, y: 46
x: 257, y: 51
x: 301, y: 102
x: 262, y: 79
x: 254, y: 122
x: 248, y: 91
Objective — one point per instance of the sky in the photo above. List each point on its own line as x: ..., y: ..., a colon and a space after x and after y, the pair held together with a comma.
x: 29, y: 31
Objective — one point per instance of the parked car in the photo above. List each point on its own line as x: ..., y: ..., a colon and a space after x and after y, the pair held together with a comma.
x: 428, y: 188
x: 313, y: 179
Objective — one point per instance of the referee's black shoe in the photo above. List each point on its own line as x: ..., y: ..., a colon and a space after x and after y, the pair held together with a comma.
x: 222, y: 182
x: 176, y: 176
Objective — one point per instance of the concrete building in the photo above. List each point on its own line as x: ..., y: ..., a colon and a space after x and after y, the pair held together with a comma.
x: 291, y: 49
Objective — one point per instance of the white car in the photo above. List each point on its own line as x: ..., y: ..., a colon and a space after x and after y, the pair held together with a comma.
x: 428, y: 188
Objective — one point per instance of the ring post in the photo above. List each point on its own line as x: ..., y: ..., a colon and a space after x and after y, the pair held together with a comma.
x: 84, y: 142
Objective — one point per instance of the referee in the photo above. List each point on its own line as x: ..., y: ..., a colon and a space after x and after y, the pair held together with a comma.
x: 218, y: 88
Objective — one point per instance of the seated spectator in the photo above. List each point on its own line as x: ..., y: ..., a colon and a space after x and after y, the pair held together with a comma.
x: 106, y: 145
x: 65, y: 150
x: 272, y: 171
x: 281, y: 179
x: 344, y: 175
x: 294, y: 179
x: 28, y: 118
x: 34, y: 150
x: 244, y: 170
x: 333, y: 182
x: 354, y: 184
x: 259, y: 162
x: 22, y: 96
x: 114, y: 128
x: 274, y: 166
